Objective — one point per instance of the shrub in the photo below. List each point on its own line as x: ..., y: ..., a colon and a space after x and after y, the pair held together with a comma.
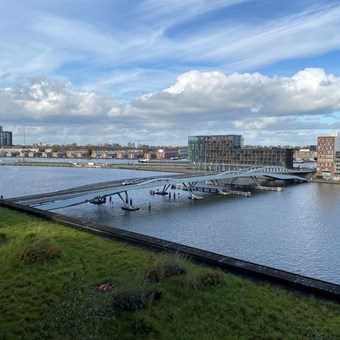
x: 155, y: 274
x: 173, y: 269
x: 134, y: 299
x: 40, y: 253
x: 166, y: 267
x: 130, y: 300
x: 211, y: 278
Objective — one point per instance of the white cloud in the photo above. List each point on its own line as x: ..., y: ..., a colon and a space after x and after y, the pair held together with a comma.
x: 42, y: 100
x: 198, y: 103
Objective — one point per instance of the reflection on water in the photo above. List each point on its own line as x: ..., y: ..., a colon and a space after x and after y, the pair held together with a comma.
x: 295, y: 230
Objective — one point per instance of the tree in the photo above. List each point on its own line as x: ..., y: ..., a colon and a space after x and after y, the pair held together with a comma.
x: 89, y: 153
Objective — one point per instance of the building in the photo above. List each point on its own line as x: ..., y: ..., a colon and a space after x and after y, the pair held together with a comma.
x: 328, y: 166
x: 5, y: 138
x: 305, y: 155
x: 226, y: 151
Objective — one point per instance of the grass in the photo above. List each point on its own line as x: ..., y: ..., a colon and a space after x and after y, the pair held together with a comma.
x: 60, y: 297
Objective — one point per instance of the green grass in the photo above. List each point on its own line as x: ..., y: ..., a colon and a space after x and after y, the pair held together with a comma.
x: 40, y: 300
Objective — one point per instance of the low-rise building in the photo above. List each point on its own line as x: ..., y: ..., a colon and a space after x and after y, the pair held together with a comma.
x: 122, y: 154
x: 171, y: 153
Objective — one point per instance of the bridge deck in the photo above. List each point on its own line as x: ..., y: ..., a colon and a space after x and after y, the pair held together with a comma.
x: 83, y: 194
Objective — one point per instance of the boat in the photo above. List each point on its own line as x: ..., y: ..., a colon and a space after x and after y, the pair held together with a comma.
x: 163, y: 193
x: 130, y: 208
x: 98, y: 200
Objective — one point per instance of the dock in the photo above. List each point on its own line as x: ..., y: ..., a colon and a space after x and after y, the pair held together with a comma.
x: 214, y: 190
x: 260, y: 187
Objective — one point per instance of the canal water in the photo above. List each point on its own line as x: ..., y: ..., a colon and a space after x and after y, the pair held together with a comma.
x: 297, y: 230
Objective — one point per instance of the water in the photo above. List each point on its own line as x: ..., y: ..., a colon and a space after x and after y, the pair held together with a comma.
x: 296, y: 230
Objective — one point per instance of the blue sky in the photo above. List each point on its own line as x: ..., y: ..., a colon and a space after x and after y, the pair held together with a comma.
x: 114, y: 71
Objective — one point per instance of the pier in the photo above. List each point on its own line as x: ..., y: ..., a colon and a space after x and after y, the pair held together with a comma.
x: 219, y: 191
x: 260, y: 187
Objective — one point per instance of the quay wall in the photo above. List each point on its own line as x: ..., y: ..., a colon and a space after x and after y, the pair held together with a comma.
x: 180, y: 168
x: 249, y: 269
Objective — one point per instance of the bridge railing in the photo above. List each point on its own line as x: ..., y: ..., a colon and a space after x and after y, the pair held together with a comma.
x: 257, y: 169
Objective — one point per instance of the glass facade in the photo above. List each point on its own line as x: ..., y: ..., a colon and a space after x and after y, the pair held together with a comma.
x: 212, y: 152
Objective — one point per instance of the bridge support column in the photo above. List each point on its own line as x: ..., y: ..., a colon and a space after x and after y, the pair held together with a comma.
x: 218, y: 188
x: 163, y: 192
x: 127, y: 202
x: 190, y: 187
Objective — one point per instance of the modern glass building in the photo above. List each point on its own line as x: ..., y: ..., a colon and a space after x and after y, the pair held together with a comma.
x: 223, y: 152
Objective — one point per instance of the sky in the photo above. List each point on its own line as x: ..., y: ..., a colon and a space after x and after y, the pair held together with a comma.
x: 157, y: 71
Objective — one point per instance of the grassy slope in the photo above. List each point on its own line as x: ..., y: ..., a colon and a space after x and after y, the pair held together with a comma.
x: 237, y: 309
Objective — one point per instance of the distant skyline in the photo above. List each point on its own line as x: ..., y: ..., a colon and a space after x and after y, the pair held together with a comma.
x: 158, y: 71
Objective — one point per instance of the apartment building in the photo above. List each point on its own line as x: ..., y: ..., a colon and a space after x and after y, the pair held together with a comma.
x: 328, y: 165
x: 229, y: 150
x: 306, y: 155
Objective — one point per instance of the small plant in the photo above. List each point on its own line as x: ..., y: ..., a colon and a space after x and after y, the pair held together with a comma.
x: 169, y: 266
x: 155, y: 274
x: 211, y: 278
x: 40, y: 253
x: 173, y: 269
x: 205, y: 279
x: 134, y: 294
x: 3, y: 238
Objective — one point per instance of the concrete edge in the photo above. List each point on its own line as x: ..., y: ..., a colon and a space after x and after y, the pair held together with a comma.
x: 305, y: 284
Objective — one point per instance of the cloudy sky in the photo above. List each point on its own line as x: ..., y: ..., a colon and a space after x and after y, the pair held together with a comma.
x: 158, y: 71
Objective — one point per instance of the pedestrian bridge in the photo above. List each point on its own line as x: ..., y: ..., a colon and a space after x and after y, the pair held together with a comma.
x: 216, y: 182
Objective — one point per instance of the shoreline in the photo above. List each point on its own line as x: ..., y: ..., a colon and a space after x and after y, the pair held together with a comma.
x: 323, y: 181
x: 174, y: 168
